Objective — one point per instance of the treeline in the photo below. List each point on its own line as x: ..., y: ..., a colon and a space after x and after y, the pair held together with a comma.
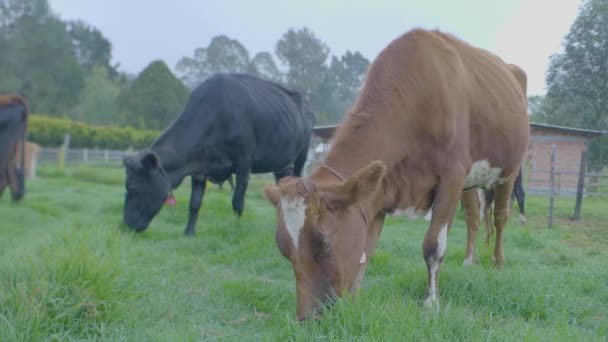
x: 577, y: 79
x: 64, y: 68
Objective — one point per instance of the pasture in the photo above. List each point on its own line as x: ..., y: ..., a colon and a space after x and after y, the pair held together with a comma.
x: 70, y: 271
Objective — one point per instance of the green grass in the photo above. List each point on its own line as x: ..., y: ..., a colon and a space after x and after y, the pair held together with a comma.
x: 68, y: 271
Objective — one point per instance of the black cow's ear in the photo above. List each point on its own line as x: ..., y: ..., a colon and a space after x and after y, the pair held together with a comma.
x: 130, y: 162
x: 150, y: 160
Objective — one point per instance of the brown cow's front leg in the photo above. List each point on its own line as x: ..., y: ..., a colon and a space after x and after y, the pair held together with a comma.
x: 471, y: 212
x: 373, y: 232
x: 3, y: 181
x: 501, y: 215
x: 16, y: 182
x: 436, y: 239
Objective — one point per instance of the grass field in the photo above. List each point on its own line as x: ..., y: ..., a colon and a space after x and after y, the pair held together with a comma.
x: 68, y: 271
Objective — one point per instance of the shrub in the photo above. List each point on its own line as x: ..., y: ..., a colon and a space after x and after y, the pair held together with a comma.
x: 49, y: 131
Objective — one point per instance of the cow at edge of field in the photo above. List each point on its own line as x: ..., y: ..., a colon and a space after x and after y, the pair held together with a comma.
x: 232, y: 124
x: 13, y: 131
x: 435, y: 116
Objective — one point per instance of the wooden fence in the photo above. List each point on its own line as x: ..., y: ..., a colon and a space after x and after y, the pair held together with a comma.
x: 72, y: 157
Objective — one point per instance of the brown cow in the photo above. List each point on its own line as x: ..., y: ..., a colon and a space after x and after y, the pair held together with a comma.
x: 435, y: 116
x: 13, y: 124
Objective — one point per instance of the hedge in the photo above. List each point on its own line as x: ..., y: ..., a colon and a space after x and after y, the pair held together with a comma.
x: 49, y: 131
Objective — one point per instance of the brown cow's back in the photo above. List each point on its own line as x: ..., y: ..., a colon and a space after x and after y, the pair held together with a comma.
x: 433, y: 102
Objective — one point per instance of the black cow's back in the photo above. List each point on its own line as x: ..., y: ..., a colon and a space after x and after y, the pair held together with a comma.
x: 231, y: 117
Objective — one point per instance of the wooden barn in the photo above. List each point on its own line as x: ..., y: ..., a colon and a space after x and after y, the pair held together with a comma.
x: 569, y: 144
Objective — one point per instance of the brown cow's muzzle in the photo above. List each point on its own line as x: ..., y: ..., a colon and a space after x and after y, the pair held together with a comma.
x: 313, y: 298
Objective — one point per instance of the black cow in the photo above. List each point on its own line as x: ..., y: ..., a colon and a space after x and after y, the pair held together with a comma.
x: 13, y: 124
x: 232, y: 124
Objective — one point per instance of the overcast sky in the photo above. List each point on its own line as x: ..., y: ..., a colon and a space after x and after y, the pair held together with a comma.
x: 524, y: 32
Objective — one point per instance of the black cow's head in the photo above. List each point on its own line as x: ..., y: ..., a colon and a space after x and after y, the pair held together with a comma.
x: 147, y: 187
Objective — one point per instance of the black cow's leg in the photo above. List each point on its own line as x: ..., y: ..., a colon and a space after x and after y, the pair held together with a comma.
x: 242, y: 179
x: 520, y: 195
x: 231, y: 182
x: 300, y: 161
x: 199, y: 184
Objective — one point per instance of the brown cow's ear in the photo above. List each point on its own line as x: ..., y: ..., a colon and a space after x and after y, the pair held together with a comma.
x: 358, y: 187
x: 273, y: 194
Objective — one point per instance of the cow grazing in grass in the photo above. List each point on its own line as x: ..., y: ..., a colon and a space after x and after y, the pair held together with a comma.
x: 232, y: 124
x: 435, y: 116
x: 13, y: 130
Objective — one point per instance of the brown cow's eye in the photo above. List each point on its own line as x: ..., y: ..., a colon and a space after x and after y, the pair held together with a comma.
x: 319, y: 246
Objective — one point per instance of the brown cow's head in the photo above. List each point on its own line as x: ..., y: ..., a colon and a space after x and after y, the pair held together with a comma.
x: 322, y: 231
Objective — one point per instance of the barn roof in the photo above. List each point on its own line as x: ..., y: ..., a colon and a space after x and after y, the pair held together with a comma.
x: 588, y: 133
x: 325, y: 132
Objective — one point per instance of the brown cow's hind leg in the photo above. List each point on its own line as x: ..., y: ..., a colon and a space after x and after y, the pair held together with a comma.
x: 501, y: 215
x: 472, y: 213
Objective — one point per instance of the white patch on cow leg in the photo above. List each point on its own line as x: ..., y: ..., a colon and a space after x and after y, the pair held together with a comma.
x: 522, y: 218
x: 363, y: 258
x: 482, y: 174
x: 442, y: 241
x: 468, y: 260
x: 294, y: 214
x: 434, y: 262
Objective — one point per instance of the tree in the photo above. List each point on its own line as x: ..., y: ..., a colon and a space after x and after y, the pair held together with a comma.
x: 222, y: 55
x: 577, y: 78
x: 36, y: 58
x: 154, y: 98
x: 305, y: 56
x: 348, y: 74
x: 535, y: 108
x: 263, y: 66
x: 90, y: 47
x: 98, y: 102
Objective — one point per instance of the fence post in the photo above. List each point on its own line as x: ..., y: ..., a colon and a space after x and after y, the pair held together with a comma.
x: 580, y: 186
x: 85, y: 155
x: 106, y: 155
x: 63, y: 151
x: 552, y: 188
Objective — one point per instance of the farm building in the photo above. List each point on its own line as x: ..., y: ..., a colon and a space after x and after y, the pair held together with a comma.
x: 569, y: 144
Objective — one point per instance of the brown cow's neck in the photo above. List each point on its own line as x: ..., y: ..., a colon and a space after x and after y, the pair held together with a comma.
x: 351, y: 151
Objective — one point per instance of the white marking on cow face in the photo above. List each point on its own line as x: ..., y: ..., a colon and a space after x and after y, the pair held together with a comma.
x: 363, y: 258
x: 482, y: 174
x: 294, y: 214
x: 434, y: 262
x: 411, y: 212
